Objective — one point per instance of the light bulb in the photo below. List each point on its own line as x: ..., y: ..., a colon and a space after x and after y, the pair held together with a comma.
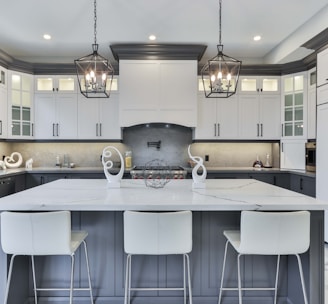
x: 92, y: 74
x: 87, y: 77
x: 229, y: 77
x: 104, y: 76
x: 220, y: 75
x: 213, y: 78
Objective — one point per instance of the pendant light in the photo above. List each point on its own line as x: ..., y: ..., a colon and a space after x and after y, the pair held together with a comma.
x: 94, y: 72
x: 221, y: 73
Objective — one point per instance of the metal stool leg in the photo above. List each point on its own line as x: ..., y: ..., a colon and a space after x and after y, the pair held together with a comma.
x: 34, y: 280
x: 277, y: 279
x: 9, y: 278
x: 223, y: 270
x: 302, y: 278
x: 88, y: 269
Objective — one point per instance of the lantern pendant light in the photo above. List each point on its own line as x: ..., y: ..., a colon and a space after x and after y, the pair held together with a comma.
x: 94, y: 72
x: 221, y: 73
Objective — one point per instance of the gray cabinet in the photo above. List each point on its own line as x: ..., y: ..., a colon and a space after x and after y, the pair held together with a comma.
x: 7, y: 186
x: 303, y: 184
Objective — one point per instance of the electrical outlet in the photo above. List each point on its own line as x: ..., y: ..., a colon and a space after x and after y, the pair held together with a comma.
x: 207, y: 157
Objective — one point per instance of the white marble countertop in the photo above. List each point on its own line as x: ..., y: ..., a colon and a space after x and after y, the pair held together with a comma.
x: 219, y: 195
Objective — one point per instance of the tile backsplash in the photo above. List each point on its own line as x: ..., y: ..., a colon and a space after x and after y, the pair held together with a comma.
x: 160, y: 141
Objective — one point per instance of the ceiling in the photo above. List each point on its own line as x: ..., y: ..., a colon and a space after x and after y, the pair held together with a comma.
x: 283, y: 24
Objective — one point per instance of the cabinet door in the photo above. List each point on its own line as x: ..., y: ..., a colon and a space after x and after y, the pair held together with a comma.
x: 66, y: 115
x: 249, y: 117
x: 292, y: 154
x: 3, y: 112
x: 45, y: 116
x: 206, y: 125
x: 322, y: 63
x: 88, y: 118
x: 228, y: 118
x: 270, y: 117
x: 178, y: 92
x: 108, y: 118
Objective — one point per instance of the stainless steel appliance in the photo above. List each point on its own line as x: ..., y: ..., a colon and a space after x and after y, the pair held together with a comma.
x: 153, y: 172
x: 310, y: 156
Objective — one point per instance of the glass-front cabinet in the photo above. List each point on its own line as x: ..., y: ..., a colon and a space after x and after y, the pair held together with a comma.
x: 20, y: 105
x: 294, y: 111
x: 50, y: 84
x: 259, y: 84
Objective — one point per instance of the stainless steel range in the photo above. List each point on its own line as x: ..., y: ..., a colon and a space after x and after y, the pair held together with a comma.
x: 158, y: 172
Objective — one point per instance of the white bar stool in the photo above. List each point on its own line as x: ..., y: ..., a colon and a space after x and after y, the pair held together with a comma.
x: 269, y: 233
x: 158, y: 233
x: 42, y: 234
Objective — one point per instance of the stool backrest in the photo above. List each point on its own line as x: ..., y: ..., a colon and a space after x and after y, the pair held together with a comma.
x: 41, y: 233
x: 274, y: 232
x: 157, y: 233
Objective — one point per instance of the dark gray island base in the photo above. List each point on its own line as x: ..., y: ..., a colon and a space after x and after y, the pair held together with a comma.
x: 107, y: 258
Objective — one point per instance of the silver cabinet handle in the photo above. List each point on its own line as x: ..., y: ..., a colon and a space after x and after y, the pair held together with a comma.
x: 0, y: 127
x: 261, y: 130
x: 214, y: 129
x: 32, y: 129
x: 258, y: 130
x: 57, y: 129
x: 282, y: 129
x: 100, y: 131
x: 53, y: 129
x: 96, y: 129
x: 218, y: 129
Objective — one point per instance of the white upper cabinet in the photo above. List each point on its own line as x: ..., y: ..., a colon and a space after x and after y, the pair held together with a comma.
x: 259, y: 84
x: 56, y: 116
x: 217, y: 118
x: 259, y: 117
x: 20, y: 105
x: 98, y: 118
x: 60, y: 84
x: 294, y: 106
x: 322, y: 71
x: 158, y: 91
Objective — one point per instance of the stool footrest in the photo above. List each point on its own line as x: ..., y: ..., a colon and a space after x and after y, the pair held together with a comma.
x: 152, y: 289
x: 62, y: 289
x: 250, y: 288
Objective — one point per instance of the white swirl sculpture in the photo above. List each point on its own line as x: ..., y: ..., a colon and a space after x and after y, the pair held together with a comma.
x: 114, y: 180
x: 199, y: 180
x: 14, y: 160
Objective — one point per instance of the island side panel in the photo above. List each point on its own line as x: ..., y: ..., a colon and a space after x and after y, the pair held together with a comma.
x: 107, y: 262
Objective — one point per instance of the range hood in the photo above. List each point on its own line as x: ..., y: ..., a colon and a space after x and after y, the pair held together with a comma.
x: 158, y: 83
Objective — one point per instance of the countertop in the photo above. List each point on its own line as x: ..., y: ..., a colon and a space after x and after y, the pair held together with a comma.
x: 219, y: 195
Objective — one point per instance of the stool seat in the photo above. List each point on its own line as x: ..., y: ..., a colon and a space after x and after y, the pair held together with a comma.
x: 42, y: 234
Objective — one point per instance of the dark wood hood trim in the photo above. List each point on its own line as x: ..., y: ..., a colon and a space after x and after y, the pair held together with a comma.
x: 158, y: 51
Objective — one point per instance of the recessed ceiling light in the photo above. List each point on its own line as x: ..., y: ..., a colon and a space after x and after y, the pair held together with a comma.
x: 257, y: 38
x: 152, y: 37
x: 46, y: 37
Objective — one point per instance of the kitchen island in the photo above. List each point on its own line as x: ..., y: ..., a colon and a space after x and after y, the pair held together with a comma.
x: 98, y: 209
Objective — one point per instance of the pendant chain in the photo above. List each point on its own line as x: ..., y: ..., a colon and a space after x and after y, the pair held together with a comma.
x: 95, y: 19
x: 220, y: 7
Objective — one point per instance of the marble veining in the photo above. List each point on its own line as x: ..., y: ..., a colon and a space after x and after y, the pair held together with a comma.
x: 219, y: 195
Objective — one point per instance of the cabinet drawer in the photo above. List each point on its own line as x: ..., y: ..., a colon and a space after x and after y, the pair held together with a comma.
x: 322, y: 94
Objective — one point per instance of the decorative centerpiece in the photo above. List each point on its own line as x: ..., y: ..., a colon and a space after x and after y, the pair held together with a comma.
x: 14, y: 160
x: 156, y: 174
x: 199, y: 180
x: 114, y: 180
x: 2, y: 165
